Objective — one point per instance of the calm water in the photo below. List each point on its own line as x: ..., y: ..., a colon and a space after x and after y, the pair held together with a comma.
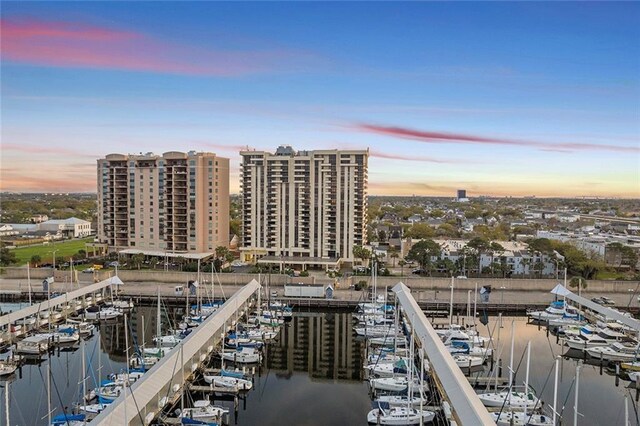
x: 601, y: 401
x: 312, y: 375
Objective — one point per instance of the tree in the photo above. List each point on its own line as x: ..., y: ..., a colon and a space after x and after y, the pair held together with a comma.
x: 578, y: 282
x: 543, y: 245
x: 447, y: 230
x: 235, y: 225
x: 436, y: 213
x: 423, y: 252
x: 362, y: 253
x: 494, y: 249
x: 420, y: 231
x: 137, y: 259
x: 402, y: 263
x: 221, y: 252
x: 475, y: 248
x: 35, y: 260
x: 7, y: 257
x: 622, y: 255
x: 393, y: 254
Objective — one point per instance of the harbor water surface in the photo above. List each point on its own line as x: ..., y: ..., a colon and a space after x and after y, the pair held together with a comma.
x: 312, y: 374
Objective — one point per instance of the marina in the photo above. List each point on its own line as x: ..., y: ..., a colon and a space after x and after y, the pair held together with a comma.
x: 314, y: 367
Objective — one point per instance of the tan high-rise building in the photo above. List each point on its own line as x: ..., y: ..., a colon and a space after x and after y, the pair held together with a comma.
x: 305, y: 207
x: 174, y: 203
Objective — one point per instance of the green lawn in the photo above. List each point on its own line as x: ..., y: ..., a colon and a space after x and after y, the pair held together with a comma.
x: 65, y: 249
x: 608, y: 275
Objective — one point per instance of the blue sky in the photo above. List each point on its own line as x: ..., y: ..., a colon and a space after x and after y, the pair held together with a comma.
x: 499, y: 98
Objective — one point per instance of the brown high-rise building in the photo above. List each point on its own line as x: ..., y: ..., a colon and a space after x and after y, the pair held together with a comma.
x: 174, y: 203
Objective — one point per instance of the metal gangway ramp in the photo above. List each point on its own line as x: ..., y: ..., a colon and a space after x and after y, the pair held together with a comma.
x: 143, y: 401
x: 467, y: 409
x: 12, y: 317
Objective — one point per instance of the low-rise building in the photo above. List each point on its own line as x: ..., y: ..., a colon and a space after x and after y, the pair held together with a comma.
x: 70, y: 228
x: 515, y: 255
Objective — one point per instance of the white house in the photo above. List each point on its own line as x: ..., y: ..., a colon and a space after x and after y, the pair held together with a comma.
x: 72, y: 227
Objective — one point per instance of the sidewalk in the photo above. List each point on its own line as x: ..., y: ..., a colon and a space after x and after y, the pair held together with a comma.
x: 443, y: 296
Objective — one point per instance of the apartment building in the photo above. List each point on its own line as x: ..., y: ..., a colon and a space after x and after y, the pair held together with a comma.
x: 172, y: 203
x: 303, y: 208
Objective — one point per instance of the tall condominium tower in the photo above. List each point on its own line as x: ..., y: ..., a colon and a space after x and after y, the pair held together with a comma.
x: 175, y: 203
x: 305, y: 207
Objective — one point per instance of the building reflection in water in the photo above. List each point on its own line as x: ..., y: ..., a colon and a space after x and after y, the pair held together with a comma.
x: 322, y: 344
x: 112, y: 331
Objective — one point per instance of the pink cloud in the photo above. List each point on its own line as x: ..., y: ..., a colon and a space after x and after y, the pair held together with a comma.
x: 79, y: 45
x: 433, y: 137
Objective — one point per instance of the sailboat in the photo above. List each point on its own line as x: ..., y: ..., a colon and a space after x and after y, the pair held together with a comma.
x: 203, y: 410
x: 509, y: 397
x: 7, y: 368
x: 384, y: 414
x: 69, y: 420
x: 228, y: 381
x: 466, y: 361
x: 519, y: 418
x: 243, y: 355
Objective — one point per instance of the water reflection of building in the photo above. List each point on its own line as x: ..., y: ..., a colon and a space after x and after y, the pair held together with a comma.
x: 322, y: 344
x: 112, y: 339
x: 112, y: 331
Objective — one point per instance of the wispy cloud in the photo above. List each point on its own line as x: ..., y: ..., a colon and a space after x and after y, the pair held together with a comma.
x: 44, y: 150
x: 82, y: 45
x: 419, y: 158
x: 434, y: 137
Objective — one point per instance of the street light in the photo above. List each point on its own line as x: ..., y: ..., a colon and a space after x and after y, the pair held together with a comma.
x: 54, y: 258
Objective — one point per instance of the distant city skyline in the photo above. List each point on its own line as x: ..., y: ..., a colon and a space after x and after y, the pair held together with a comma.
x: 497, y: 98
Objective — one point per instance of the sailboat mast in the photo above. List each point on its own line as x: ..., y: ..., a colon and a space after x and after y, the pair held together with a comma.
x: 526, y: 382
x: 511, y: 359
x: 6, y: 402
x: 555, y: 391
x: 158, y: 326
x: 421, y: 385
x: 575, y: 402
x: 626, y: 410
x: 49, y: 392
x: 475, y: 306
x: 411, y: 362
x: 451, y: 305
x: 126, y: 382
x: 84, y: 371
x: 182, y: 370
x: 29, y: 284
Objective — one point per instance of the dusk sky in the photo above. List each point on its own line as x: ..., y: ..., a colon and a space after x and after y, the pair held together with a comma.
x: 498, y: 98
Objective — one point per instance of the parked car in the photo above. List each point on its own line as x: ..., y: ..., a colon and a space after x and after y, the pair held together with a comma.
x: 88, y: 270
x: 461, y: 277
x: 418, y: 271
x: 603, y: 301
